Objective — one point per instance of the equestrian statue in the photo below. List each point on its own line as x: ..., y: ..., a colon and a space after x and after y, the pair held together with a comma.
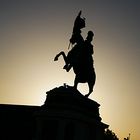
x: 80, y: 56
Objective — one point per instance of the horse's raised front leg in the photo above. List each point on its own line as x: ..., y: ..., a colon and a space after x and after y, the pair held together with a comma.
x: 63, y: 54
x: 56, y: 57
x: 67, y: 66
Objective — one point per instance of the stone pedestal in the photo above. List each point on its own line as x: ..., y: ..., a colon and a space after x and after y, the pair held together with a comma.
x: 68, y: 115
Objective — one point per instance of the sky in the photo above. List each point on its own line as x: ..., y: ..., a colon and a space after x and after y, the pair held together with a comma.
x: 32, y: 32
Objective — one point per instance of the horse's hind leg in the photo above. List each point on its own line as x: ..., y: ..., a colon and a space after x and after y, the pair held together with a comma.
x: 90, y: 89
x: 91, y: 84
x: 76, y: 81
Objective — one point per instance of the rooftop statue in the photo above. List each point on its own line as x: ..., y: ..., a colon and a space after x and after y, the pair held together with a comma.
x: 80, y: 56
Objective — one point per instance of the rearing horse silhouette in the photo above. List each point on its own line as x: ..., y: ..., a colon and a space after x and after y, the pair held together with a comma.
x: 80, y: 56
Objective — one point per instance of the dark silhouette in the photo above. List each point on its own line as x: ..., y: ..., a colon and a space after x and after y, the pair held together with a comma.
x: 80, y: 56
x: 17, y: 122
x: 65, y: 115
x: 109, y: 135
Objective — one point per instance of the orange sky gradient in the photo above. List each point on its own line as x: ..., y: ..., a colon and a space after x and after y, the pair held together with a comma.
x: 33, y: 32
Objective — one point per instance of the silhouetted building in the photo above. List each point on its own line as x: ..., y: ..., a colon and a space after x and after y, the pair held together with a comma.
x: 68, y: 115
x: 17, y: 122
x: 65, y: 115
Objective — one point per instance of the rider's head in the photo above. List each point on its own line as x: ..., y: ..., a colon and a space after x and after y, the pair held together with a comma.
x: 90, y: 36
x: 90, y: 33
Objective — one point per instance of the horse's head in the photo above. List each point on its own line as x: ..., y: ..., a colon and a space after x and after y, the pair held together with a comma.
x: 79, y: 22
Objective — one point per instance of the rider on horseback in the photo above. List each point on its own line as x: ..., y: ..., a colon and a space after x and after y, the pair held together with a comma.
x: 80, y: 56
x: 76, y: 39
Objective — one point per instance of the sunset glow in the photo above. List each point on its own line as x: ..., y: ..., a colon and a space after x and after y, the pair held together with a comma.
x: 33, y: 32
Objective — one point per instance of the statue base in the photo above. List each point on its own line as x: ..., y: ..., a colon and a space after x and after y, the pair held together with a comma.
x: 67, y: 114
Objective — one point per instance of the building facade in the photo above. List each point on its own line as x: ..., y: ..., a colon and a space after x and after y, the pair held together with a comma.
x: 65, y: 115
